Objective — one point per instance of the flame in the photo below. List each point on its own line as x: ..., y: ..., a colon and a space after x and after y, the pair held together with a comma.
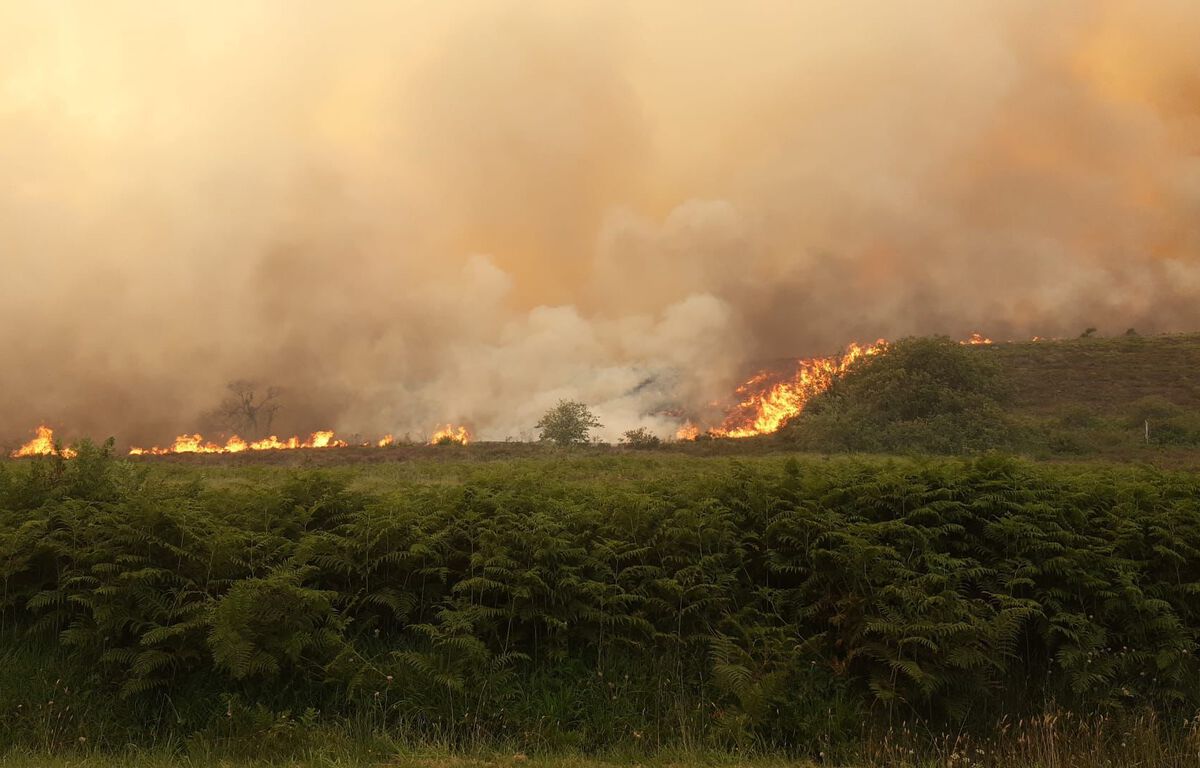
x: 42, y: 445
x: 451, y: 434
x: 325, y: 439
x: 978, y: 338
x: 767, y: 400
x: 197, y: 444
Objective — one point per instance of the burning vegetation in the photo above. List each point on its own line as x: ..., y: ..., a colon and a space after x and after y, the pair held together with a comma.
x: 196, y: 444
x: 761, y: 405
x: 451, y: 434
x: 769, y: 398
x: 42, y: 445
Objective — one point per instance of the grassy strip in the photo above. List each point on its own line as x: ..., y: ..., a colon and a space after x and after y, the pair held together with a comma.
x: 151, y: 760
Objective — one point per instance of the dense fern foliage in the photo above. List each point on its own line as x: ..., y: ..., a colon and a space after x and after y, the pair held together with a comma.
x: 773, y: 601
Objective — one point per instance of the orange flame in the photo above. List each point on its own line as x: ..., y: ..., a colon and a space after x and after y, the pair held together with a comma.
x: 450, y: 434
x: 978, y: 338
x: 42, y: 445
x: 196, y: 444
x: 766, y: 402
x: 768, y: 399
x: 385, y: 441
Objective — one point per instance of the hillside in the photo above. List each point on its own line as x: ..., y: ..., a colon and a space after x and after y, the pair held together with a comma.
x: 1105, y: 374
x: 1128, y: 398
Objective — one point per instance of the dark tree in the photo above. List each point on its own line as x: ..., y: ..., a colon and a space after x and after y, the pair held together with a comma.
x: 246, y: 410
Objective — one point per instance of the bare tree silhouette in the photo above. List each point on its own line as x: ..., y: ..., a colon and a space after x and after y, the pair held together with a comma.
x: 246, y: 411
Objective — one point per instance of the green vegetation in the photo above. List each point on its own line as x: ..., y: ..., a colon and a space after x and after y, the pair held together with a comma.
x: 1124, y: 398
x: 640, y: 438
x: 604, y: 604
x: 926, y: 395
x: 692, y: 603
x: 1093, y: 397
x: 568, y: 423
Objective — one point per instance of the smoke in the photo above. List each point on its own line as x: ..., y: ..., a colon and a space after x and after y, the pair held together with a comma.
x: 411, y: 213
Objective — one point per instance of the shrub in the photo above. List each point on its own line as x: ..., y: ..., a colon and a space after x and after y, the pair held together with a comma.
x: 264, y: 625
x: 568, y: 423
x: 755, y: 604
x: 1078, y: 417
x: 1152, y: 408
x: 926, y: 394
x: 640, y: 438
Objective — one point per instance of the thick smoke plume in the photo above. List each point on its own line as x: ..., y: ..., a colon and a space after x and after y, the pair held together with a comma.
x: 408, y: 213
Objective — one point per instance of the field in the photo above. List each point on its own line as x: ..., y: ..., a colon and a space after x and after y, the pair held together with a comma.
x: 710, y: 602
x: 593, y: 603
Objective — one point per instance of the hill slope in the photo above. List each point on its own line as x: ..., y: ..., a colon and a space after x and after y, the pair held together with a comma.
x: 1124, y: 398
x: 1107, y: 374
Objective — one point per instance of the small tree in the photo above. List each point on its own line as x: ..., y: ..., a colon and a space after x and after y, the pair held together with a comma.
x: 567, y: 423
x: 640, y: 438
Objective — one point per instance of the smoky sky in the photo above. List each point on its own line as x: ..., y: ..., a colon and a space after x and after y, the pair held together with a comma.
x: 409, y: 213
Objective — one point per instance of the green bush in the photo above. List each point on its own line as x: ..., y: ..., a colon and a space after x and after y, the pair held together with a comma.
x: 929, y: 395
x: 1154, y: 407
x: 1078, y: 417
x: 641, y: 438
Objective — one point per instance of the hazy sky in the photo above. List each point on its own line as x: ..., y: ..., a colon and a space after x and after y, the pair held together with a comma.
x: 411, y: 213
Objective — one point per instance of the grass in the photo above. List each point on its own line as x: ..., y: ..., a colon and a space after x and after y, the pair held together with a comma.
x: 1107, y: 374
x: 429, y: 759
x: 1091, y: 398
x: 1050, y: 741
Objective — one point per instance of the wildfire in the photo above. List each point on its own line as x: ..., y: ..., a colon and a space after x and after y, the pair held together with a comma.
x: 767, y: 399
x: 450, y: 434
x: 764, y: 403
x: 979, y: 338
x: 42, y: 445
x: 197, y: 444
